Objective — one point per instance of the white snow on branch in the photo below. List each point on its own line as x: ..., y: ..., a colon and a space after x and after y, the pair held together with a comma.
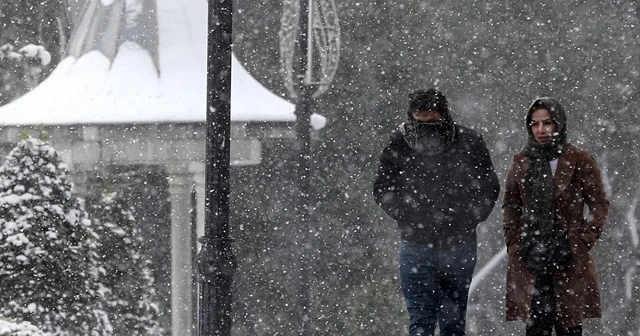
x: 13, y: 199
x: 486, y: 269
x: 7, y: 51
x: 607, y: 179
x: 36, y: 52
x: 629, y: 278
x: 30, y: 51
x: 632, y: 220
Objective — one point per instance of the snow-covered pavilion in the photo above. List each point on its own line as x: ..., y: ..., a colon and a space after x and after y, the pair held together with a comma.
x: 132, y: 90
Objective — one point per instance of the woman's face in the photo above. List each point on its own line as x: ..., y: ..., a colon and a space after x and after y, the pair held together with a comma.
x: 542, y: 126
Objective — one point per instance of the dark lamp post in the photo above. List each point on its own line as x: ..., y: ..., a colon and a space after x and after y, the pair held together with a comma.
x: 216, y: 263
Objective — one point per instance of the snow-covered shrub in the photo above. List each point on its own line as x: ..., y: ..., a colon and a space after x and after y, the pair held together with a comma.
x: 30, y: 52
x: 49, y: 267
x: 11, y: 328
x: 130, y: 299
x: 21, y: 69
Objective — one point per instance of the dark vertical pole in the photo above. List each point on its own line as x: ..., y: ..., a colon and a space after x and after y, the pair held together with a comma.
x: 216, y: 262
x: 193, y: 212
x: 303, y: 136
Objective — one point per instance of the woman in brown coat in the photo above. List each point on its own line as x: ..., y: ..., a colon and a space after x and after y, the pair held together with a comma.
x: 551, y: 277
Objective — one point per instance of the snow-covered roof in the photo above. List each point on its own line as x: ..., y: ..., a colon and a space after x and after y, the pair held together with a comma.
x: 126, y: 65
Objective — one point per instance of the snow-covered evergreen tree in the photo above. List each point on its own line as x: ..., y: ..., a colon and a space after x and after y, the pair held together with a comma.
x: 48, y: 255
x: 128, y: 276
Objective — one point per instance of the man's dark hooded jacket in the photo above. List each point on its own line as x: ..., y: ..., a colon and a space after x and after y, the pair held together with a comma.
x: 437, y: 198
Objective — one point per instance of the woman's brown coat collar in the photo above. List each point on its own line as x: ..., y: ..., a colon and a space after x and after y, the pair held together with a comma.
x: 564, y: 171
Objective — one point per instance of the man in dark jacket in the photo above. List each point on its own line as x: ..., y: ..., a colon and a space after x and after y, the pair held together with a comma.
x: 437, y: 181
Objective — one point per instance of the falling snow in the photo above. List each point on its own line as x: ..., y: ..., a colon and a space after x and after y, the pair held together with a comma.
x: 336, y: 273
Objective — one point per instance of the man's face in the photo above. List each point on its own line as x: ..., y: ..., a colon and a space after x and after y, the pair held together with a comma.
x: 426, y: 116
x: 542, y: 126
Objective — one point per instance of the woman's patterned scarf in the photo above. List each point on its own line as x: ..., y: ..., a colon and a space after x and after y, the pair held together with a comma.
x: 541, y: 245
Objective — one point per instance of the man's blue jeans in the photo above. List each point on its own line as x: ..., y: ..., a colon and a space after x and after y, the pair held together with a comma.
x: 435, y: 283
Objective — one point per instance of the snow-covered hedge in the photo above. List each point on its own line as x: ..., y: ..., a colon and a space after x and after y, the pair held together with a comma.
x: 9, y: 328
